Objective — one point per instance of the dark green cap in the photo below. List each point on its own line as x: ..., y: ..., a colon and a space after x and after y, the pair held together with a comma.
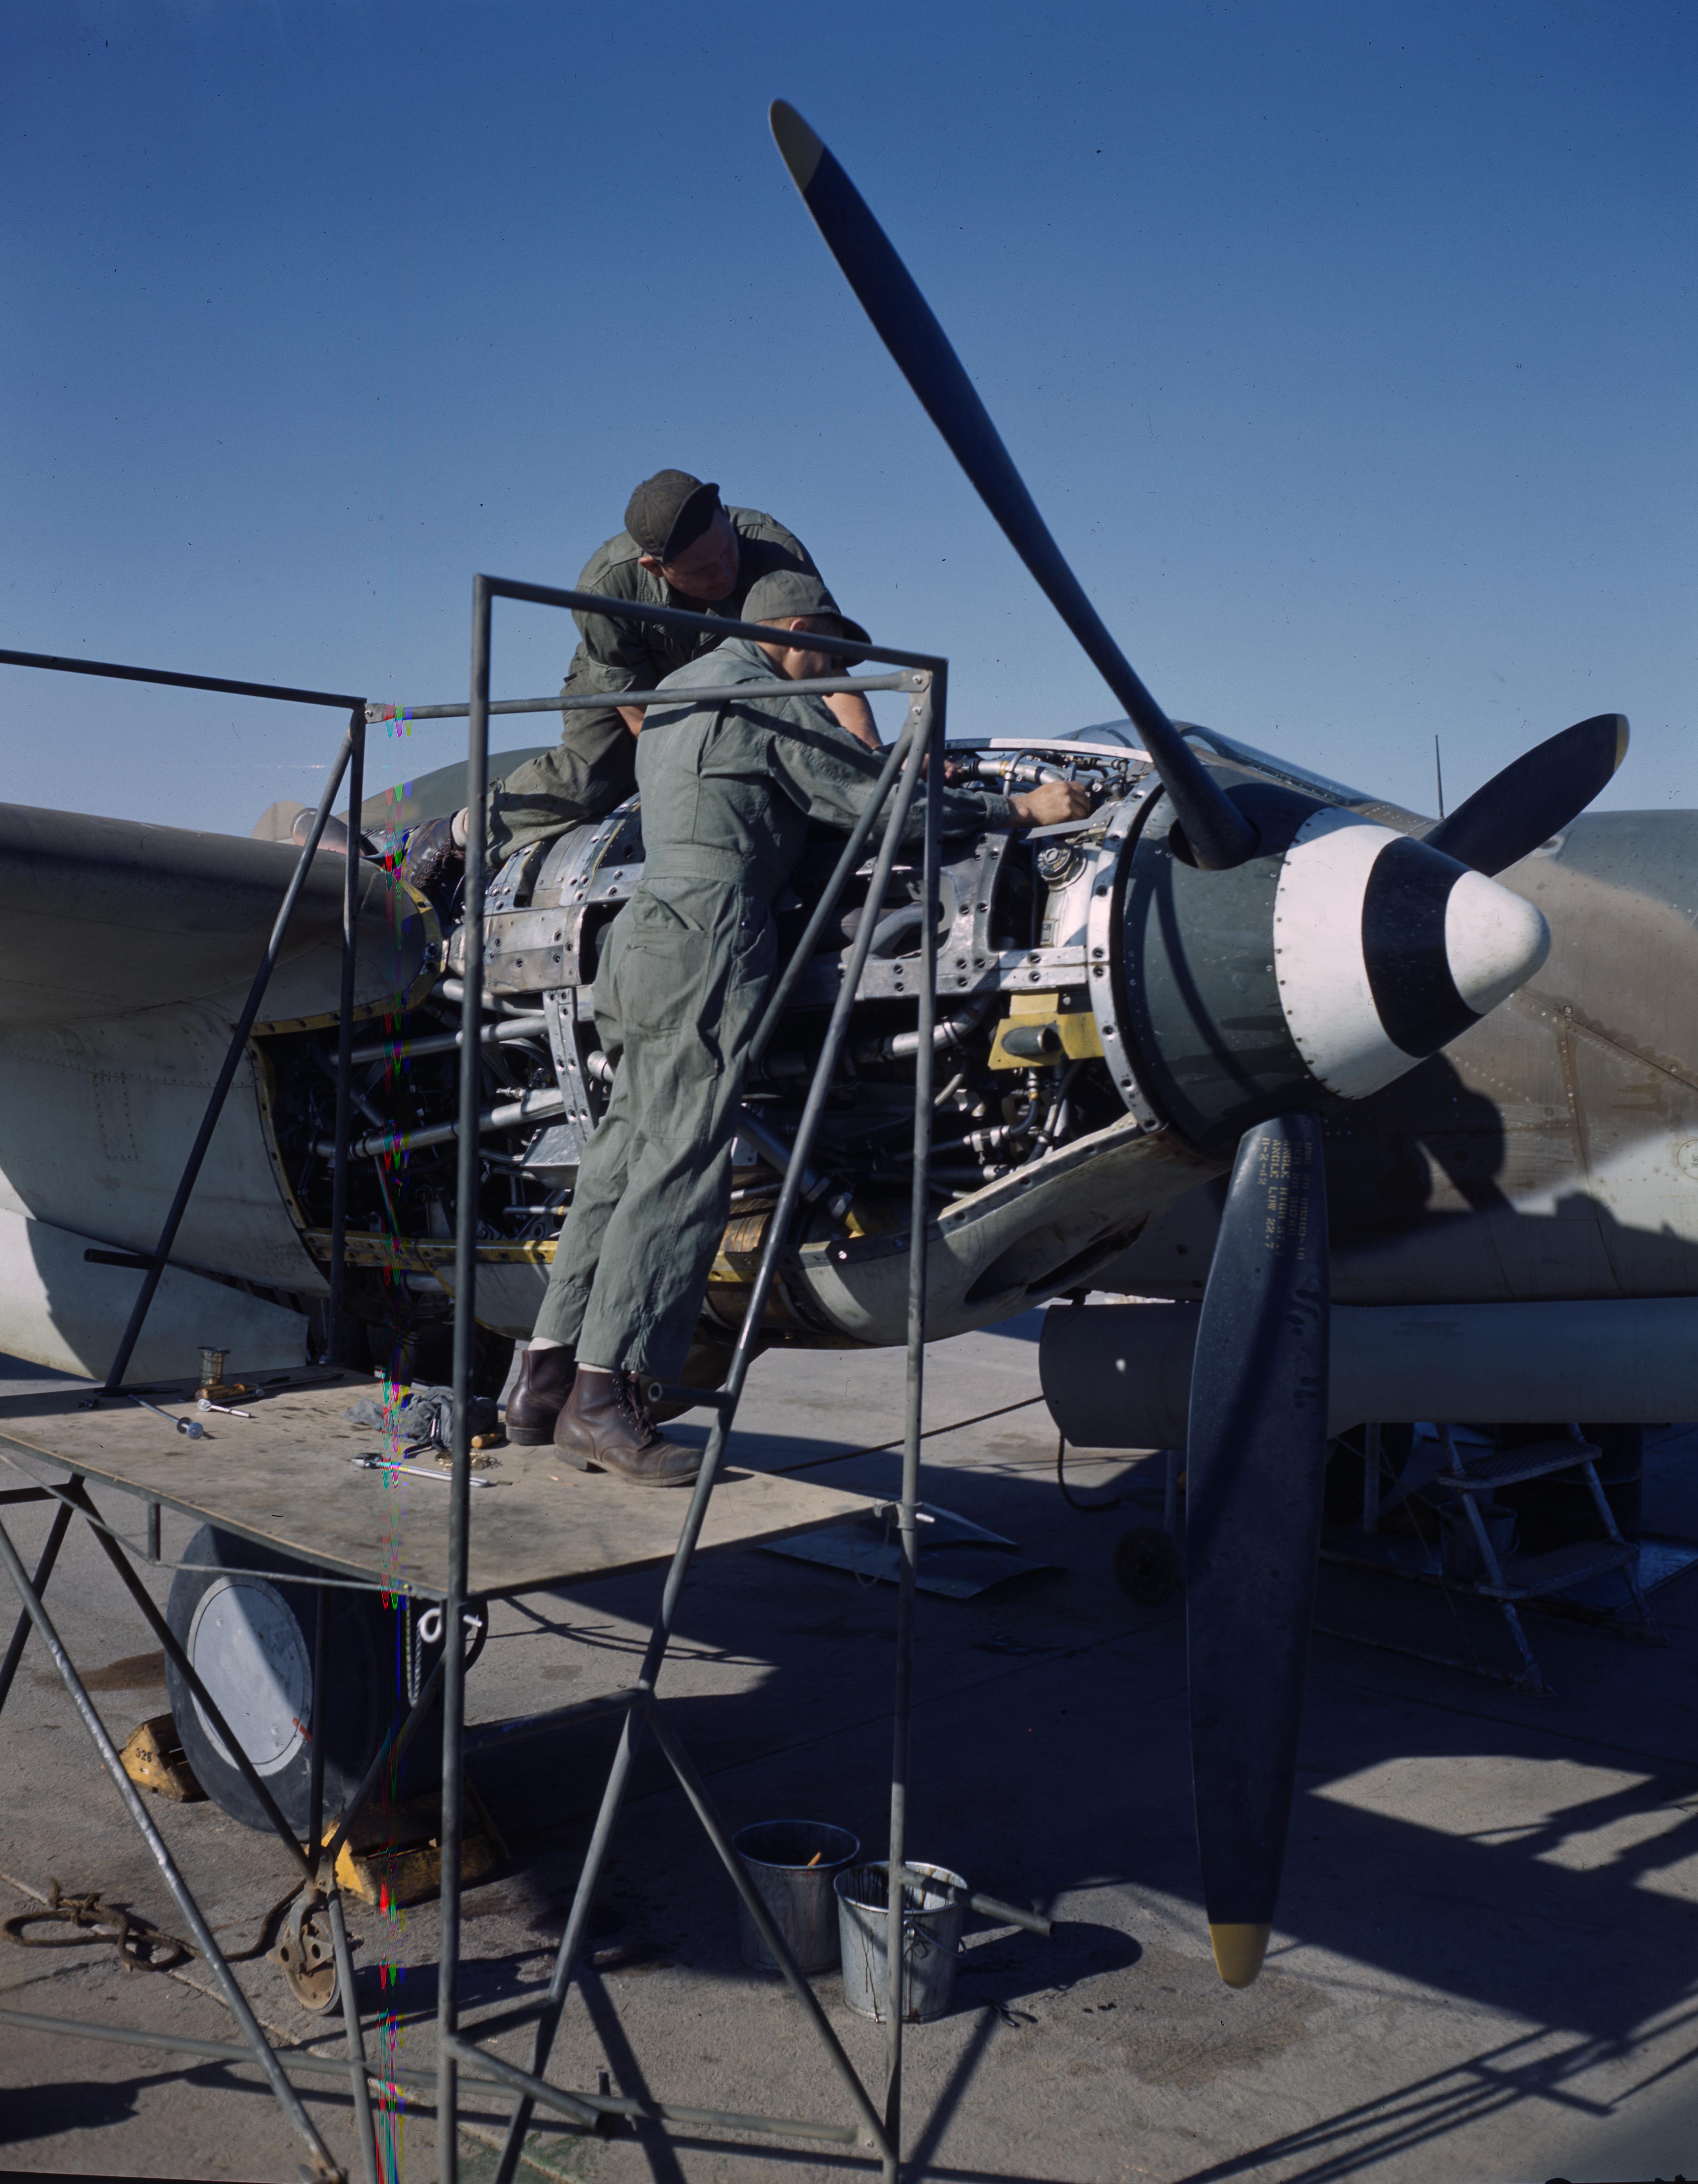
x: 787, y: 592
x: 669, y: 512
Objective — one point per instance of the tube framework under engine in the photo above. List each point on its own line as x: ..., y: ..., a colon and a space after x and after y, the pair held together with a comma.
x: 1119, y: 1375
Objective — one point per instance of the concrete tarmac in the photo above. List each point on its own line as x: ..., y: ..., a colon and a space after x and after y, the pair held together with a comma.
x: 1485, y: 1970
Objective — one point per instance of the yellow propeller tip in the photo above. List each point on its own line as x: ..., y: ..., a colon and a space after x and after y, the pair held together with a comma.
x: 1239, y: 1951
x: 800, y: 148
x: 1621, y: 739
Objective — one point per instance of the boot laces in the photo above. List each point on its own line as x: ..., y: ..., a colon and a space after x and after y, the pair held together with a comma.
x: 635, y: 1411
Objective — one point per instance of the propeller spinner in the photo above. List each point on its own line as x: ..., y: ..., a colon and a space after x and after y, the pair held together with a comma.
x: 1274, y: 955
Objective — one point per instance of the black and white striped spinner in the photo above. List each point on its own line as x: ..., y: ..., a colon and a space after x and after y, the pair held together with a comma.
x: 1385, y: 951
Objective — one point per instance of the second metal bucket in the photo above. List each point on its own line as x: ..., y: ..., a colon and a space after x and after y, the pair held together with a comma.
x: 931, y: 1940
x: 792, y: 1864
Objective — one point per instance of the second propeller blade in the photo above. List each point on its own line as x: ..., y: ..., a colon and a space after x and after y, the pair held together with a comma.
x: 1534, y: 797
x: 1255, y: 1459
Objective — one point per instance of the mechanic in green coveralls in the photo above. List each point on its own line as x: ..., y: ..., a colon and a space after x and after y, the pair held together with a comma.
x: 728, y: 791
x: 680, y: 547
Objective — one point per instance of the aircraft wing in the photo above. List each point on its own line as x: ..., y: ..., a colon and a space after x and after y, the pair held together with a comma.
x: 408, y: 803
x: 106, y: 916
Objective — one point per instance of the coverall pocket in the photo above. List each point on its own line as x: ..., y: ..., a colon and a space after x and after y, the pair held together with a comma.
x: 666, y: 968
x: 684, y: 970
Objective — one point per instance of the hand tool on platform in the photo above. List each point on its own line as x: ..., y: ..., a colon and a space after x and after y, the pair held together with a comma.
x: 412, y: 1470
x: 192, y: 1427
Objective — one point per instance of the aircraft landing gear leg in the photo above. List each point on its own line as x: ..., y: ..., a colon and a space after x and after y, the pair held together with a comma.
x: 1147, y: 1564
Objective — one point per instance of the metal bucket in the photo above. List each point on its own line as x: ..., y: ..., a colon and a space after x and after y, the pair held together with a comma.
x: 792, y: 1864
x: 931, y: 1940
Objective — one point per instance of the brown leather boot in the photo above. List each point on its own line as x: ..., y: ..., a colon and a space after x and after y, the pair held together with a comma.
x: 433, y: 859
x: 545, y: 1380
x: 605, y: 1424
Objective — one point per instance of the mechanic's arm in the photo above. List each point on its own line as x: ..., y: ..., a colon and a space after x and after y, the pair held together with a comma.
x: 1049, y: 804
x: 851, y: 711
x: 613, y: 656
x: 832, y: 782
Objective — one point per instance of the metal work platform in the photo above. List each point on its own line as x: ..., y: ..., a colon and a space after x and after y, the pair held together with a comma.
x: 288, y: 1479
x: 291, y: 1478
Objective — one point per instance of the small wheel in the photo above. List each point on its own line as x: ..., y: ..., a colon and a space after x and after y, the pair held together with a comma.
x: 248, y: 1631
x: 1146, y: 1565
x: 308, y: 1956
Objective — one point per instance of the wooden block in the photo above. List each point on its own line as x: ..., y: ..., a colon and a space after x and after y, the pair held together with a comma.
x: 152, y: 1757
x: 394, y: 1858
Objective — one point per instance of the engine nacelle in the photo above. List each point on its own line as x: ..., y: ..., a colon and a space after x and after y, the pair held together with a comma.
x: 1110, y: 1021
x: 1338, y: 957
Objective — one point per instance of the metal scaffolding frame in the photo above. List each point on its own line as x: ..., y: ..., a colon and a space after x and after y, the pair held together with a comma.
x: 916, y: 757
x: 72, y: 1497
x: 348, y: 763
x: 879, y: 2126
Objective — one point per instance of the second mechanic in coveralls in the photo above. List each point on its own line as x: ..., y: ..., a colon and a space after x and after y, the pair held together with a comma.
x: 680, y: 547
x: 727, y: 793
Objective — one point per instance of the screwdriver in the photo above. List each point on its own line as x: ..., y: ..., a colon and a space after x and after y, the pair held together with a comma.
x: 192, y: 1427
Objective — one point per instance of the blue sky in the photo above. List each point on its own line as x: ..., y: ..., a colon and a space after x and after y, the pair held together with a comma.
x: 1348, y: 349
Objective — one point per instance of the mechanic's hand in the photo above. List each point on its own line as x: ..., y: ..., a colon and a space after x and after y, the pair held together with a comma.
x: 1050, y: 802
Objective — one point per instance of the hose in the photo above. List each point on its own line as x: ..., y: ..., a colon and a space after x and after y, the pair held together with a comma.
x: 947, y: 1032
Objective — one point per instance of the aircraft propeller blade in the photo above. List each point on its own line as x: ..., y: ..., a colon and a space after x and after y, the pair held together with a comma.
x: 1255, y: 1457
x: 1534, y: 798
x: 1218, y: 834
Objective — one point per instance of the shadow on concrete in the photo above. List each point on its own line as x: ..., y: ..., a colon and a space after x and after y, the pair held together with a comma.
x: 1427, y: 2109
x: 1052, y: 1768
x: 28, y: 2112
x: 1054, y: 1734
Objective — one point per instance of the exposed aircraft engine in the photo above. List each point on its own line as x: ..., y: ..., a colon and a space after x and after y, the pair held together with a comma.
x: 1224, y: 953
x: 1109, y: 1022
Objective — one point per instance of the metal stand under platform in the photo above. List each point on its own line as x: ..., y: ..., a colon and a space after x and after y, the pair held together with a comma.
x: 348, y: 765
x: 295, y: 1453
